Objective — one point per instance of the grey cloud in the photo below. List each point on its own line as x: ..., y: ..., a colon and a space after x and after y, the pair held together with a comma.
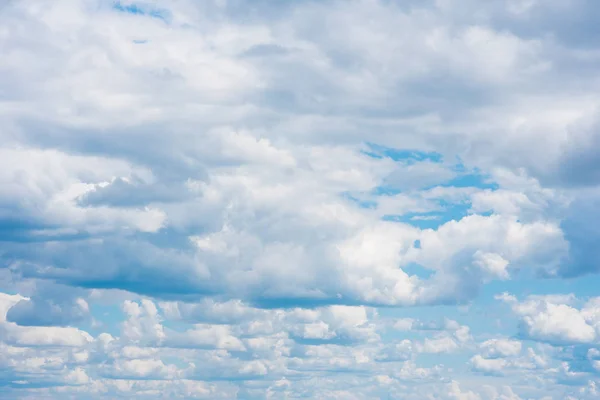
x: 50, y: 305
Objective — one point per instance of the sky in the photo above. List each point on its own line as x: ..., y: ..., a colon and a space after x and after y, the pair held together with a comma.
x: 251, y: 199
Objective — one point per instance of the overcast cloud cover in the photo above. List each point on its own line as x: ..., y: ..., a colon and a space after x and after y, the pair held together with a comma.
x: 251, y: 199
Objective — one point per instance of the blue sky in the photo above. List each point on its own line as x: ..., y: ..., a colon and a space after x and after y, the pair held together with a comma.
x: 365, y: 199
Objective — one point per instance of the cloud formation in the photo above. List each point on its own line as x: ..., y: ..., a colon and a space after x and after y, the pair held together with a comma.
x: 330, y: 200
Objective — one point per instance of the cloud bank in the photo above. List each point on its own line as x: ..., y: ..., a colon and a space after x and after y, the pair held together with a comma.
x: 331, y: 200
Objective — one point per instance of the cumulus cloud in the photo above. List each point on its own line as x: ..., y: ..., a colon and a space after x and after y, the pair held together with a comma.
x: 50, y: 305
x: 495, y: 348
x: 239, y: 199
x: 554, y: 318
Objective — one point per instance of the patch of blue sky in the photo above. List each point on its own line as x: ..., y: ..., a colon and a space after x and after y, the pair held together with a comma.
x: 422, y: 221
x: 474, y: 180
x: 385, y: 191
x: 407, y: 155
x: 579, y: 361
x: 128, y: 8
x: 434, y: 219
x: 471, y: 179
x: 464, y: 178
x: 142, y: 10
x: 107, y: 318
x: 176, y: 325
x: 415, y: 269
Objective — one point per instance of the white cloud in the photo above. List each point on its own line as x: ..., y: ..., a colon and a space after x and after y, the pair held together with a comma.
x: 147, y: 368
x: 143, y: 322
x: 36, y: 335
x: 438, y: 345
x: 206, y: 336
x: 494, y: 366
x: 552, y: 319
x: 498, y: 348
x: 266, y: 175
x: 51, y: 182
x: 455, y: 392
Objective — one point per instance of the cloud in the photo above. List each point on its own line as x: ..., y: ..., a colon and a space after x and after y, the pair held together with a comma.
x: 553, y: 319
x: 143, y: 322
x: 50, y: 305
x: 498, y: 348
x: 242, y: 199
x: 223, y: 175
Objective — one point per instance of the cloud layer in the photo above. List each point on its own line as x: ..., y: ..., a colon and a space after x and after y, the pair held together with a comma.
x: 329, y: 200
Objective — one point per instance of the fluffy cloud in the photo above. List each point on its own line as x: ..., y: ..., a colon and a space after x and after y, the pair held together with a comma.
x: 555, y: 320
x: 233, y: 199
x: 495, y: 348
